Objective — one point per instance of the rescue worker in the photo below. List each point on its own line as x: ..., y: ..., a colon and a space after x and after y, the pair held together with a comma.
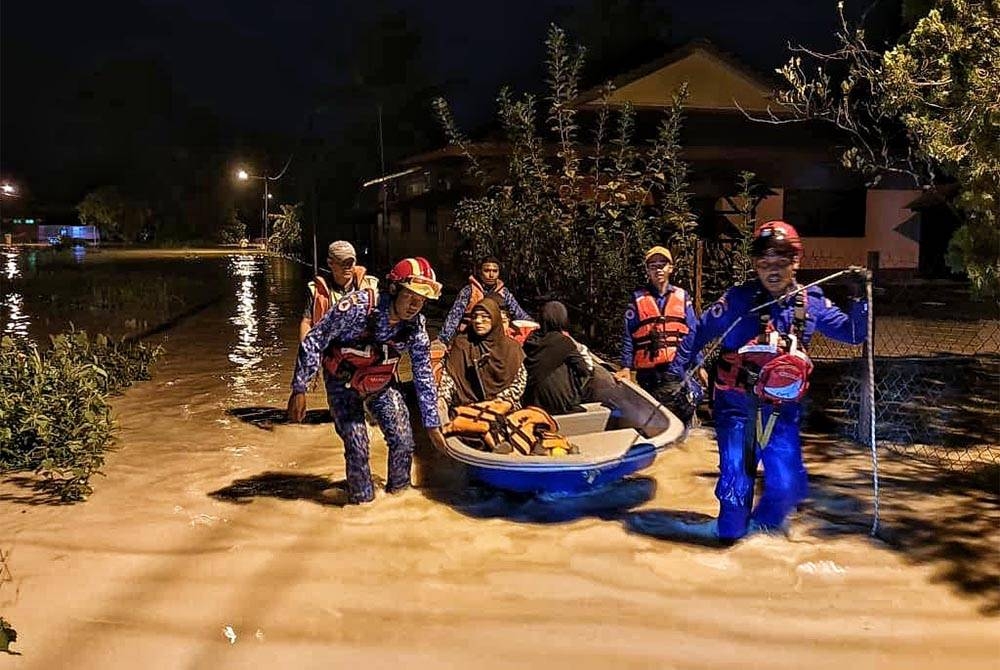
x: 359, y: 342
x: 656, y: 321
x: 762, y: 375
x: 488, y: 283
x: 346, y: 276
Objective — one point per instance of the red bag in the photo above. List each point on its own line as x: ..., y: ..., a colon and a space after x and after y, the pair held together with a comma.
x: 785, y: 378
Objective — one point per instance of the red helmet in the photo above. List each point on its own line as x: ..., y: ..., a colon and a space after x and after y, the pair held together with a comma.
x: 417, y: 275
x: 777, y: 237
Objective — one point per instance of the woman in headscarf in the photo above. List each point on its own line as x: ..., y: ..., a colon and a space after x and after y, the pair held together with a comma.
x: 557, y: 370
x: 484, y: 363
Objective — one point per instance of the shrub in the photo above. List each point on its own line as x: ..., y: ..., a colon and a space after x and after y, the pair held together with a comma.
x: 54, y: 414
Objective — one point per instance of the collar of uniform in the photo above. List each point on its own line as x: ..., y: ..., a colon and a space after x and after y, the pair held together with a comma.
x: 669, y: 288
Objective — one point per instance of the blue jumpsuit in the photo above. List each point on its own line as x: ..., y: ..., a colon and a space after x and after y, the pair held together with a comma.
x: 454, y: 319
x: 346, y: 324
x: 785, y: 481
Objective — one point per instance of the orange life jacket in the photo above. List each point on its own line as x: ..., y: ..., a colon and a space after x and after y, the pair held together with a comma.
x: 477, y: 294
x: 530, y: 431
x: 658, y: 334
x: 365, y: 366
x: 323, y: 297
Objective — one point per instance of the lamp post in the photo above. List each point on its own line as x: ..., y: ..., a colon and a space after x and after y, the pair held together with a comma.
x: 7, y: 190
x: 243, y: 175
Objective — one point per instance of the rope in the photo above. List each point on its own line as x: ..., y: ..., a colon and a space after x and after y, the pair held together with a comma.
x: 870, y: 363
x: 798, y: 289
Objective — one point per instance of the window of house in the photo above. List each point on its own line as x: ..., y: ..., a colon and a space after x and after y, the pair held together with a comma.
x: 820, y: 213
x: 432, y: 219
x: 405, y: 221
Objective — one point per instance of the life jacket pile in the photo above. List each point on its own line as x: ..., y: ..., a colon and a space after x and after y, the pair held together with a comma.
x: 658, y: 333
x: 365, y: 366
x: 771, y: 365
x: 530, y: 431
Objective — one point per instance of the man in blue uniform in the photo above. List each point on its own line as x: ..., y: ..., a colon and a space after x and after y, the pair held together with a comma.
x: 755, y: 422
x: 656, y: 320
x: 359, y: 342
x: 488, y: 283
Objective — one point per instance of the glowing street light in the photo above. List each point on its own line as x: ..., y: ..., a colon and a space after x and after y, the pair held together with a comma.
x: 8, y: 189
x: 243, y: 175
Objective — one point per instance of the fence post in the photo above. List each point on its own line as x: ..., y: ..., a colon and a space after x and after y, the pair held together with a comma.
x: 699, y: 247
x: 867, y: 394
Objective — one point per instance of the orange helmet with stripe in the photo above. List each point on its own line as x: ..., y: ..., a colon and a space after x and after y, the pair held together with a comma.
x: 417, y: 275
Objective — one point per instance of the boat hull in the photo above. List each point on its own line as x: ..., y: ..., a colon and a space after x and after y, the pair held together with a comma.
x: 562, y: 480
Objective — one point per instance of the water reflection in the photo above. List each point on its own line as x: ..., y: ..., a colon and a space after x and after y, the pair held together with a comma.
x: 12, y: 314
x: 79, y: 253
x: 258, y: 321
x: 16, y: 321
x: 11, y: 267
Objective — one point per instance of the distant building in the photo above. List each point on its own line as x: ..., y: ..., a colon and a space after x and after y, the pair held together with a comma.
x: 839, y: 217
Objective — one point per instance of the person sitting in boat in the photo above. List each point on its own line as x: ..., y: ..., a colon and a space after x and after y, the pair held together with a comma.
x: 345, y: 276
x: 557, y: 371
x: 483, y: 362
x: 487, y: 284
x: 656, y: 320
x: 359, y: 343
x: 762, y: 376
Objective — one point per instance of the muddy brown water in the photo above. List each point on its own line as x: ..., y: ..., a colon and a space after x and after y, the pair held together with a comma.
x: 218, y: 539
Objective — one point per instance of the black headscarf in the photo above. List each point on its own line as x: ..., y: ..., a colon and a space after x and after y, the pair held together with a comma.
x: 483, y: 366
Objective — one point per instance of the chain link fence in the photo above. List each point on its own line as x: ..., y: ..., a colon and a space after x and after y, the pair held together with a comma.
x: 937, y: 372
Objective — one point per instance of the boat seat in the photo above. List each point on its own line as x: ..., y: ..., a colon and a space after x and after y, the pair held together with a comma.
x: 607, y: 444
x: 593, y: 420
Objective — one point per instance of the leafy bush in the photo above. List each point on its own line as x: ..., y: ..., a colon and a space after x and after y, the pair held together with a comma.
x: 571, y: 216
x: 54, y: 414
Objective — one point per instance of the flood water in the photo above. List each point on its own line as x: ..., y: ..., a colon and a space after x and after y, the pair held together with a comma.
x: 218, y: 539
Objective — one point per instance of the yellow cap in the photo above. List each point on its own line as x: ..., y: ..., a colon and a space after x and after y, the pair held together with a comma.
x: 658, y: 251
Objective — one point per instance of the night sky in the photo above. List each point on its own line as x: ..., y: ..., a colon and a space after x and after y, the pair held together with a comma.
x: 259, y: 68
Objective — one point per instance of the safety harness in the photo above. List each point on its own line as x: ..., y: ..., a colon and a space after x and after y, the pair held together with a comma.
x: 366, y: 366
x: 771, y: 367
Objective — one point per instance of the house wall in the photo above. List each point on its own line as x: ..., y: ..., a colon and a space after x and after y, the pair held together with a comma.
x: 885, y: 211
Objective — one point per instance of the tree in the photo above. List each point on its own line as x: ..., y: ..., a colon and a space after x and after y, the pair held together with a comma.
x: 928, y: 107
x: 571, y: 218
x: 286, y: 235
x: 233, y: 230
x: 116, y: 215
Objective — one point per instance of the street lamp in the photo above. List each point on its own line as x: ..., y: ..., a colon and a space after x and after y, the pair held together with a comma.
x: 243, y: 175
x: 7, y: 190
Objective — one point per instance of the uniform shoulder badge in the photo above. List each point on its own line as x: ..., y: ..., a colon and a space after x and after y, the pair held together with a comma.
x: 352, y: 299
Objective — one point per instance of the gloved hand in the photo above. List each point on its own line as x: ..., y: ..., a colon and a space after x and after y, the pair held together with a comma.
x: 678, y: 395
x: 856, y: 282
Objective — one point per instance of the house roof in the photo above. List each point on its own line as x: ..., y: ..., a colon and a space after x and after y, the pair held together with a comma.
x: 715, y: 79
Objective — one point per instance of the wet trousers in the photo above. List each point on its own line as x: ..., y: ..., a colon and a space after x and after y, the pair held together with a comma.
x: 389, y: 408
x: 785, y: 480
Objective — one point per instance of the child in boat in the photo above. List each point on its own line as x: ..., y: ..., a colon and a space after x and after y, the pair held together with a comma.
x: 557, y: 371
x: 484, y: 363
